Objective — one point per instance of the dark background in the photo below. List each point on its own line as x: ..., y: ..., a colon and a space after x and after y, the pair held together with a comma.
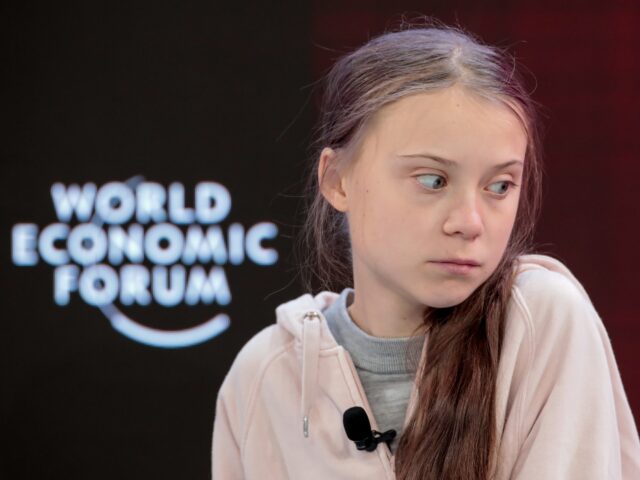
x: 193, y: 91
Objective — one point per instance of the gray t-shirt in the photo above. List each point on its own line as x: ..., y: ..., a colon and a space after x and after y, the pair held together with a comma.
x: 380, y: 362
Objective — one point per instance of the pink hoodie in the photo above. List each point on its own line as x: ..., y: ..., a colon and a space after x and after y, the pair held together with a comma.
x: 562, y: 412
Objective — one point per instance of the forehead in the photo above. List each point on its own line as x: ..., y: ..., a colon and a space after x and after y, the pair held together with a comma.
x: 452, y: 123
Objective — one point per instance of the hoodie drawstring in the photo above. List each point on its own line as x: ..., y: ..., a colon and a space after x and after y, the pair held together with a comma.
x: 310, y: 356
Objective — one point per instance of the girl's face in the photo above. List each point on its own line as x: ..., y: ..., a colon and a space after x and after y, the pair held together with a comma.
x: 406, y: 209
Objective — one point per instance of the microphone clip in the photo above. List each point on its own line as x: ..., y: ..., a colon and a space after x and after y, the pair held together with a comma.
x: 371, y: 443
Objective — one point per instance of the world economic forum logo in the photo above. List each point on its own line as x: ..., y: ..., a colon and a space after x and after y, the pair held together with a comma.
x: 136, y: 242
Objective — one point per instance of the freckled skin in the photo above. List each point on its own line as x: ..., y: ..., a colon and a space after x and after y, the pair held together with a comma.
x: 398, y: 224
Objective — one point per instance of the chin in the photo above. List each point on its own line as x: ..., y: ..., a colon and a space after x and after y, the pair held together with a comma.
x: 443, y: 304
x: 445, y: 301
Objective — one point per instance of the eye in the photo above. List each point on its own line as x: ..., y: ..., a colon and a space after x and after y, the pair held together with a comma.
x: 428, y: 183
x: 440, y: 179
x: 508, y: 183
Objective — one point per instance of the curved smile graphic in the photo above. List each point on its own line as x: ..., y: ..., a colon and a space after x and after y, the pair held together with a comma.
x: 165, y: 338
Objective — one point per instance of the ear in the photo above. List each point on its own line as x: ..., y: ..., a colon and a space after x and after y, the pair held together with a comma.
x: 331, y: 181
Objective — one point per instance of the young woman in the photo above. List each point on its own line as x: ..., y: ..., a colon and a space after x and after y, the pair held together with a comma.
x: 428, y: 157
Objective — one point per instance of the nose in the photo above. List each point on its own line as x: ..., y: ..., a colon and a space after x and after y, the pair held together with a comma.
x: 464, y: 219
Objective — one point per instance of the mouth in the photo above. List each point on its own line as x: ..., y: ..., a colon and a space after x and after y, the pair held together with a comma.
x: 456, y: 268
x: 453, y: 261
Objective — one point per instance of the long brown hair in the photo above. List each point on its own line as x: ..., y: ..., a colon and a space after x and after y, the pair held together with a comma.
x: 451, y: 434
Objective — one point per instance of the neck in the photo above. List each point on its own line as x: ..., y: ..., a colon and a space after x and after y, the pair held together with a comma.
x: 384, y: 316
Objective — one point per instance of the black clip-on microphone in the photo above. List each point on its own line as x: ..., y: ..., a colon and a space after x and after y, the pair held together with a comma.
x: 358, y: 428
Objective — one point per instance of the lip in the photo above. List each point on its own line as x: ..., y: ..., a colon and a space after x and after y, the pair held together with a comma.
x: 456, y: 268
x: 463, y: 261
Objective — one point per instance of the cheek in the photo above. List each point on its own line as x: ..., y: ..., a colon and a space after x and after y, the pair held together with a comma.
x: 386, y: 222
x: 501, y: 230
x: 510, y: 218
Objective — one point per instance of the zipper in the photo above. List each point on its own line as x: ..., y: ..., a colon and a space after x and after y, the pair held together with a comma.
x: 387, y: 457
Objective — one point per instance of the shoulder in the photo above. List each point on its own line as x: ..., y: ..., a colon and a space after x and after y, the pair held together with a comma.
x: 252, y: 359
x: 552, y: 301
x: 238, y: 390
x: 542, y: 288
x: 544, y: 282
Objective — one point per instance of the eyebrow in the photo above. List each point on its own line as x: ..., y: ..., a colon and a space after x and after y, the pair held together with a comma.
x: 455, y: 164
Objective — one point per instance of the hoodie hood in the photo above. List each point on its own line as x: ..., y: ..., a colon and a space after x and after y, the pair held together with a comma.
x: 302, y: 317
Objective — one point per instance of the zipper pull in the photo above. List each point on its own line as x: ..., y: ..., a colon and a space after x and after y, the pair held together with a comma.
x: 312, y: 314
